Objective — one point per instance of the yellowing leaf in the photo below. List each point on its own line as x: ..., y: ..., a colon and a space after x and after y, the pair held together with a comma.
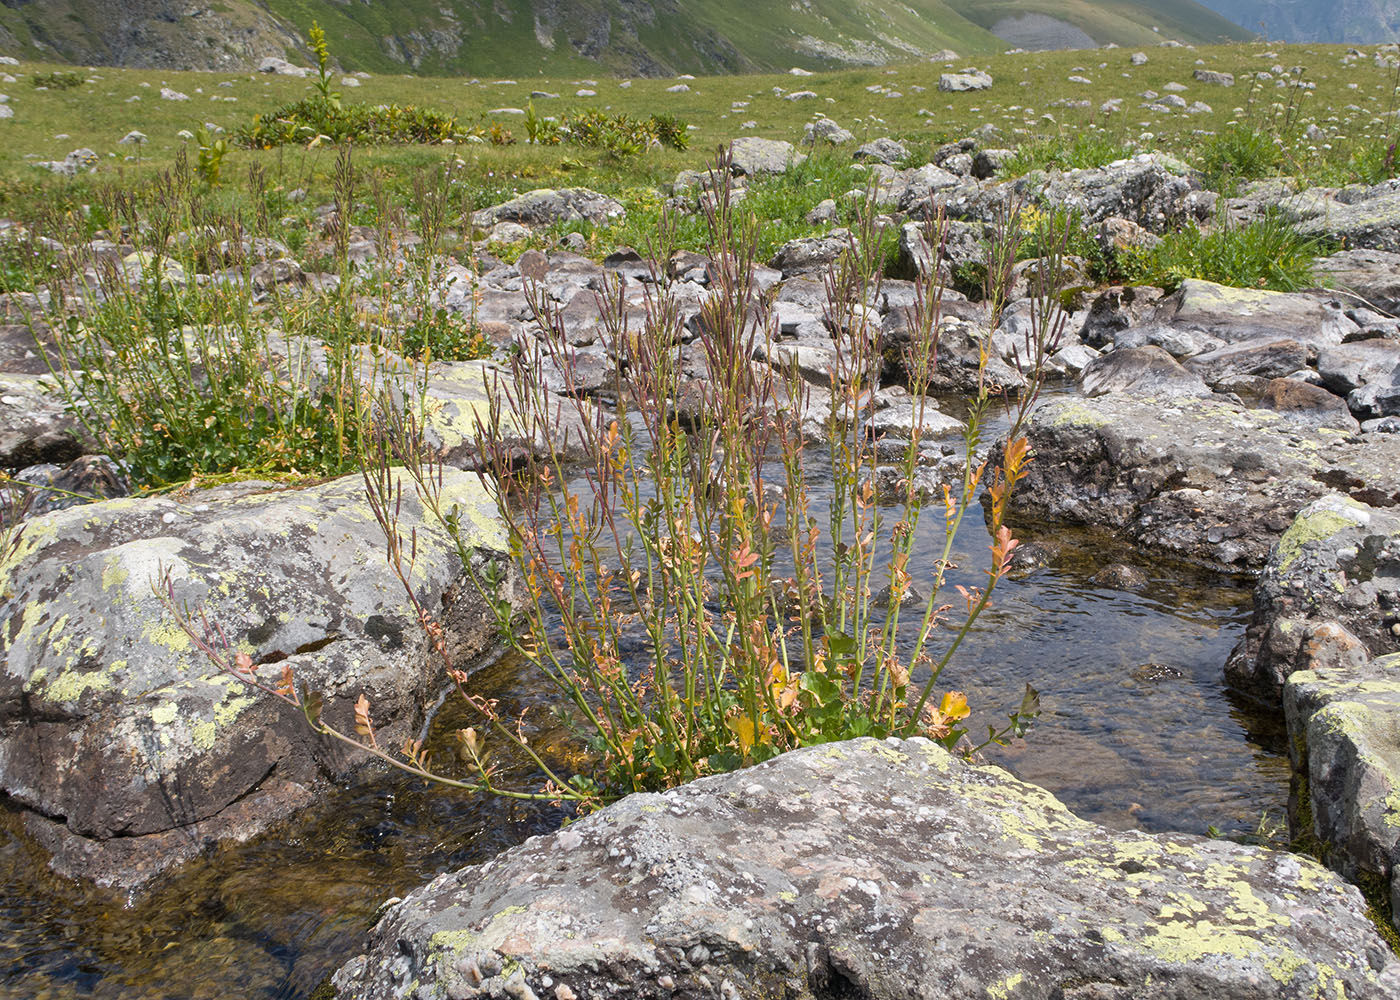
x: 741, y: 726
x: 954, y: 706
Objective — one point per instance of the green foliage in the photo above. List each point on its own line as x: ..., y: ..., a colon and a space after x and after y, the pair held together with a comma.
x: 1269, y: 253
x: 1085, y: 150
x: 1239, y: 153
x: 442, y: 335
x: 209, y: 155
x: 621, y: 134
x: 24, y: 264
x: 323, y: 72
x: 58, y: 80
x: 316, y: 117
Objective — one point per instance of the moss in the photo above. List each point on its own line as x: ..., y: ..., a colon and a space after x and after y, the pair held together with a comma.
x: 1314, y: 526
x: 324, y: 991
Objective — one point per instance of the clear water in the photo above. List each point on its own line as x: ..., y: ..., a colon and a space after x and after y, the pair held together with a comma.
x: 1136, y: 732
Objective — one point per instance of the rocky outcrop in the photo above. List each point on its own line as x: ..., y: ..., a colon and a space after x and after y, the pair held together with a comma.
x: 1329, y: 596
x: 546, y: 206
x: 879, y: 870
x: 127, y: 748
x: 1206, y: 479
x: 751, y: 156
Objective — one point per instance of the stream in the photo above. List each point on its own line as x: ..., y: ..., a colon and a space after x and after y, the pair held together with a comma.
x: 1137, y: 732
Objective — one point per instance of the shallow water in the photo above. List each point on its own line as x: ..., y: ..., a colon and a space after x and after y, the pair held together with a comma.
x: 1136, y: 732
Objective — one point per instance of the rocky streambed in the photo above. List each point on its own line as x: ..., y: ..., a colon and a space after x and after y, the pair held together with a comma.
x: 1244, y: 435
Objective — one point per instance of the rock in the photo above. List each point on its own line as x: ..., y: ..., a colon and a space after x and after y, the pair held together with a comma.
x: 1329, y: 596
x: 751, y: 156
x: 1118, y: 576
x: 546, y: 206
x: 810, y: 254
x: 20, y: 347
x: 826, y: 872
x: 1152, y: 190
x: 1214, y: 77
x: 1138, y: 58
x: 1142, y: 371
x: 960, y: 346
x: 35, y: 425
x: 944, y: 55
x: 1116, y: 309
x: 1201, y: 478
x: 1348, y: 367
x: 678, y: 88
x: 132, y: 138
x: 78, y: 160
x: 1368, y: 224
x: 1341, y: 726
x: 1373, y: 275
x: 962, y: 82
x: 281, y: 67
x: 988, y: 162
x: 881, y: 150
x: 1263, y: 359
x: 134, y: 749
x: 1233, y: 315
x: 173, y: 95
x: 826, y: 130
x: 1300, y: 402
x: 84, y: 480
x: 1375, y: 402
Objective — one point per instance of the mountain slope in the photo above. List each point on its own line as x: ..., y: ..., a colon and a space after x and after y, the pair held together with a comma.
x: 562, y: 37
x: 1353, y: 21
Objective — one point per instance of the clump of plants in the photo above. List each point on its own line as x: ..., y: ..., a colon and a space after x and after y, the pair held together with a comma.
x: 697, y: 601
x: 57, y: 80
x: 1085, y: 150
x: 1269, y: 253
x: 619, y: 133
x: 1239, y: 153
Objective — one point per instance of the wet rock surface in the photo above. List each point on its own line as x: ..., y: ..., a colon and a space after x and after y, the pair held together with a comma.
x: 128, y: 748
x: 877, y: 870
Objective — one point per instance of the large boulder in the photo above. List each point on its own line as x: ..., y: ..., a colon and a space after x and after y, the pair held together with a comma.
x: 128, y: 750
x: 1372, y: 275
x: 1205, y: 479
x: 1329, y: 594
x: 750, y: 156
x: 547, y: 206
x: 1152, y: 190
x: 1342, y: 726
x: 876, y: 870
x: 956, y: 83
x: 1370, y: 222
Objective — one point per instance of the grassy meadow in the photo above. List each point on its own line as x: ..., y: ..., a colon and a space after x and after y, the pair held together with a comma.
x: 1324, y: 133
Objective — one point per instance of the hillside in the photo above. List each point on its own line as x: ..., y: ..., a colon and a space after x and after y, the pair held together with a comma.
x: 628, y: 37
x: 1353, y: 21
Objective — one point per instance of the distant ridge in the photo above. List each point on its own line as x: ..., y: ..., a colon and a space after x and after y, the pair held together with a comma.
x: 1358, y: 22
x: 629, y: 37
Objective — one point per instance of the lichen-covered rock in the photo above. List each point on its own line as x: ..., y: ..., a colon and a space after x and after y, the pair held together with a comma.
x: 1373, y: 275
x: 1343, y: 726
x: 1232, y: 315
x: 1147, y: 371
x: 1206, y: 479
x: 126, y: 746
x: 546, y: 206
x: 1152, y: 190
x: 879, y: 870
x: 1371, y: 223
x: 1330, y: 593
x: 956, y: 83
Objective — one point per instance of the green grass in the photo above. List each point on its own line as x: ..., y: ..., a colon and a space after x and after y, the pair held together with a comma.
x: 1086, y: 149
x: 1267, y: 254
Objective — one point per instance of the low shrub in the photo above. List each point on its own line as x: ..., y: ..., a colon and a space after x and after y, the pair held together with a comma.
x: 1269, y: 253
x: 58, y: 80
x: 304, y: 121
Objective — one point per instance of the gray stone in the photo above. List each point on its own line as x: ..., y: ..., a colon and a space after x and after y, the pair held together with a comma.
x: 281, y: 67
x: 1117, y: 308
x: 1155, y: 191
x: 1347, y: 367
x: 751, y: 156
x: 962, y: 82
x: 826, y: 130
x: 810, y: 254
x: 1214, y: 77
x: 882, y: 150
x: 35, y: 425
x: 1372, y: 275
x: 1232, y: 315
x: 1298, y: 401
x: 874, y: 870
x: 134, y: 749
x: 1143, y: 371
x: 1369, y: 224
x: 1336, y: 567
x: 1264, y: 359
x: 1205, y: 479
x: 545, y: 206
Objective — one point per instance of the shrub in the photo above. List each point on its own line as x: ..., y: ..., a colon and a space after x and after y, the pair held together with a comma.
x: 1269, y: 253
x: 58, y: 80
x: 306, y: 120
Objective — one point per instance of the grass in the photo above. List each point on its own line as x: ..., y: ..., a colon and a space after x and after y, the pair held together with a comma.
x: 1268, y: 254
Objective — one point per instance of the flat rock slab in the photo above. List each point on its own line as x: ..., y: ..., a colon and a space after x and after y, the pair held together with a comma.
x: 1344, y: 736
x: 115, y: 728
x: 876, y: 870
x: 1370, y: 224
x: 546, y: 206
x: 1231, y: 315
x: 1373, y: 275
x: 1204, y: 479
x: 35, y: 426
